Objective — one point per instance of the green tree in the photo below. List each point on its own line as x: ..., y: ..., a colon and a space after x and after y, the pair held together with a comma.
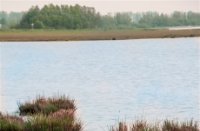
x: 30, y: 17
x: 82, y: 17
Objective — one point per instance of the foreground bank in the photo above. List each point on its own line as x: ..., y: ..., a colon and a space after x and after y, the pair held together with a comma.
x: 75, y: 35
x: 43, y: 114
x: 58, y: 114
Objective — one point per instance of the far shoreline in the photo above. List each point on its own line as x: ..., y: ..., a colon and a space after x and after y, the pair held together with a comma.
x: 98, y: 34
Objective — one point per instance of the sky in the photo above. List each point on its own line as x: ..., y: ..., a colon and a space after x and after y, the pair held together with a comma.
x: 109, y: 6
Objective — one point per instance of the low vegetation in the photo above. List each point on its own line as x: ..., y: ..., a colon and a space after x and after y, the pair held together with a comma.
x: 46, y: 105
x: 165, y: 126
x: 11, y: 123
x: 61, y: 120
x: 43, y: 114
x: 58, y: 114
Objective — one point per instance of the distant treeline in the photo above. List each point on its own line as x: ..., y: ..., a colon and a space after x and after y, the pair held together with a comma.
x: 82, y: 17
x: 10, y: 20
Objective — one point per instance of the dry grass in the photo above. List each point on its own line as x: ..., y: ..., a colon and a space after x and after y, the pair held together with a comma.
x: 67, y: 35
x: 40, y: 122
x: 62, y: 122
x: 11, y: 123
x: 58, y: 114
x: 46, y: 105
x: 45, y: 114
x: 165, y: 126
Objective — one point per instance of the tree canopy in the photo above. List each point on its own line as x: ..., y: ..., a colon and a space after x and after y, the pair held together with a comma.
x: 64, y: 16
x: 9, y: 20
x: 82, y: 17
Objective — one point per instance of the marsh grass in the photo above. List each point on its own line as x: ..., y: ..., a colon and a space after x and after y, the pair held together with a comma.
x: 41, y: 122
x: 58, y: 114
x: 11, y: 123
x: 46, y: 105
x: 165, y: 126
x: 43, y: 114
x: 177, y: 126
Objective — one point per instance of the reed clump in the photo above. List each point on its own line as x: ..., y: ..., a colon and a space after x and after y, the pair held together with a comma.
x: 177, y: 126
x: 46, y: 105
x: 165, y: 126
x: 41, y: 122
x: 43, y: 114
x: 58, y: 114
x: 11, y: 123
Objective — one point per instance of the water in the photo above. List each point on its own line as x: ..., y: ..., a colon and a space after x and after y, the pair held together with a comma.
x: 150, y: 79
x: 184, y: 27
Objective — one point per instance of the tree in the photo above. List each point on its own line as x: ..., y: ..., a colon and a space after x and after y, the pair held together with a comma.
x: 82, y: 17
x: 30, y: 17
x: 2, y: 21
x: 122, y: 19
x: 39, y: 24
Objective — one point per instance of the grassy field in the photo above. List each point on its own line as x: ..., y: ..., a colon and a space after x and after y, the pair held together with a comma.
x: 74, y: 35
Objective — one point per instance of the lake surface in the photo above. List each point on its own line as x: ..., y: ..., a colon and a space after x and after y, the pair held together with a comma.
x: 184, y: 27
x: 150, y: 79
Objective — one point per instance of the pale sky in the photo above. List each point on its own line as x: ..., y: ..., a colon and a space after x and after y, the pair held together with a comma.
x: 106, y: 6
